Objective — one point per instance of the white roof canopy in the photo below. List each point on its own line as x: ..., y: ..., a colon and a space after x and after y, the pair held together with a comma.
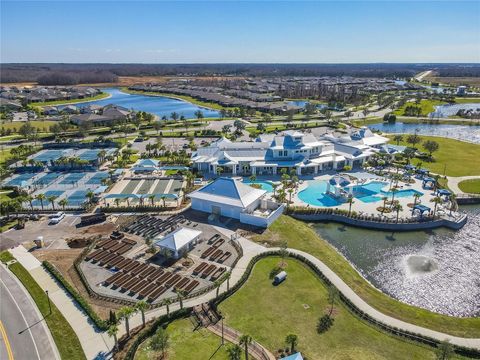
x: 178, y: 239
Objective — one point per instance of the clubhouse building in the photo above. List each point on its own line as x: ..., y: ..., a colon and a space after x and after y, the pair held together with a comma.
x: 303, y: 152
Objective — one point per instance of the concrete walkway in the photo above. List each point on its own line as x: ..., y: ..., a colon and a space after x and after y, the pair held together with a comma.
x: 93, y: 341
x: 454, y: 181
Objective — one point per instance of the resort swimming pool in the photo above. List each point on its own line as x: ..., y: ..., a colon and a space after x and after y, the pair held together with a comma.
x: 315, y: 193
x: 264, y: 185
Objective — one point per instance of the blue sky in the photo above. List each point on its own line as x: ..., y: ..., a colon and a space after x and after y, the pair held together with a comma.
x: 240, y: 31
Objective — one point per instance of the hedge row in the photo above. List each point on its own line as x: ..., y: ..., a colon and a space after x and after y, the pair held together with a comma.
x: 99, y: 323
x: 138, y: 208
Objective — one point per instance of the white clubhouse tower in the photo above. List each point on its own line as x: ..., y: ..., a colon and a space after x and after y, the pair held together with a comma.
x: 304, y: 152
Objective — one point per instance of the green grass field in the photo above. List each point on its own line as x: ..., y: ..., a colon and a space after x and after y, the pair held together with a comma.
x: 466, y: 100
x: 470, y: 186
x: 41, y: 125
x: 302, y: 237
x: 458, y: 156
x: 74, y: 101
x: 67, y: 341
x: 269, y: 313
x: 427, y: 106
x: 186, y: 344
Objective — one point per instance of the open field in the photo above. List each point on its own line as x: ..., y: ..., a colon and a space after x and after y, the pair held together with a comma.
x: 186, y: 344
x: 427, y: 106
x: 470, y: 186
x: 453, y: 156
x: 295, y: 307
x: 67, y: 341
x: 455, y: 81
x: 41, y: 125
x: 302, y: 237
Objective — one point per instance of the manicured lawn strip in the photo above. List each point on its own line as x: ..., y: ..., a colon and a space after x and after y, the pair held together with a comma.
x: 459, y: 156
x: 100, y: 96
x: 269, y: 313
x: 466, y: 100
x: 470, y: 186
x: 302, y: 237
x: 185, y: 344
x: 65, y: 338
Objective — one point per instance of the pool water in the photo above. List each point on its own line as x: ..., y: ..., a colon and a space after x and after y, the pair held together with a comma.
x: 315, y: 195
x: 264, y: 185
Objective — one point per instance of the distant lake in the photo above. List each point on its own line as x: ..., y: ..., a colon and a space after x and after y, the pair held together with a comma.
x: 460, y: 132
x: 158, y: 105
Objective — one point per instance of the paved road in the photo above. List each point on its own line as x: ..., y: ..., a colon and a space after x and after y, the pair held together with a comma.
x: 25, y: 331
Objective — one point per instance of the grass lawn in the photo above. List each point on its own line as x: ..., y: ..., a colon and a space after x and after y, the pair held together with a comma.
x: 470, y: 186
x: 295, y: 307
x: 459, y: 156
x: 466, y: 100
x: 74, y: 101
x: 67, y: 341
x: 427, y: 106
x: 41, y: 125
x: 185, y: 344
x: 301, y: 236
x: 4, y: 155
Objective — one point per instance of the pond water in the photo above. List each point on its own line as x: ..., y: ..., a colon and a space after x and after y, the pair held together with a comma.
x: 158, y: 105
x: 461, y: 132
x: 302, y: 104
x: 437, y: 270
x: 447, y: 110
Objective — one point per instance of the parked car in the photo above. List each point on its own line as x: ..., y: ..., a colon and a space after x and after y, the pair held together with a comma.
x: 56, y: 220
x: 56, y: 215
x: 281, y: 276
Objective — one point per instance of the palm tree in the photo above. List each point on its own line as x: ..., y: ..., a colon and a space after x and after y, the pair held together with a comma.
x: 416, y: 196
x: 398, y: 138
x: 436, y: 200
x: 152, y: 199
x: 234, y: 352
x: 112, y: 331
x: 290, y: 192
x: 181, y: 295
x: 397, y: 208
x: 394, y: 191
x: 246, y: 340
x: 332, y: 296
x: 228, y: 275
x: 63, y: 203
x: 90, y: 195
x: 217, y: 284
x: 51, y: 199
x: 350, y: 203
x: 292, y: 340
x: 167, y: 303
x: 30, y: 198
x: 142, y: 306
x: 117, y: 202
x: 160, y: 341
x: 125, y: 313
x: 41, y: 198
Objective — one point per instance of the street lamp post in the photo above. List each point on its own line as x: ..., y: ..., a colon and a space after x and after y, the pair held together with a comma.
x: 49, y: 304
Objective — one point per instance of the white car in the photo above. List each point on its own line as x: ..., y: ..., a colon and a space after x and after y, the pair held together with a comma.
x: 56, y: 215
x: 56, y: 220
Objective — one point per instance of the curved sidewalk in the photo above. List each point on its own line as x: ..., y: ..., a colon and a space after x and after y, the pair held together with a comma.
x: 453, y: 182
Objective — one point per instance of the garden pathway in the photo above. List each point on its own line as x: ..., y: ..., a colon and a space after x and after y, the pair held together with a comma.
x: 454, y: 181
x: 98, y: 342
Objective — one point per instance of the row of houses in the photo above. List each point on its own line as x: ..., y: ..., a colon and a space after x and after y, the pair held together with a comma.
x: 46, y: 93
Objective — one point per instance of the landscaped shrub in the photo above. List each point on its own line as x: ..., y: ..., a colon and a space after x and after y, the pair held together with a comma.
x: 100, y: 323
